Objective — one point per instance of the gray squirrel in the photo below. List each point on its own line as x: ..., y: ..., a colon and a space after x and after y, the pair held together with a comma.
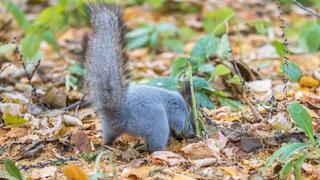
x: 139, y: 110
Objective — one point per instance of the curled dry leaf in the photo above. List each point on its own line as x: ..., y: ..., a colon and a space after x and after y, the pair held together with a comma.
x: 57, y: 127
x: 280, y: 122
x: 204, y: 162
x: 70, y: 120
x: 44, y: 173
x: 137, y: 173
x: 201, y: 150
x: 166, y: 157
x: 35, y: 122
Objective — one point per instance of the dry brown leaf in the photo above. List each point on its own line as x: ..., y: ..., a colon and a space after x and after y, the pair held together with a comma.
x: 17, y: 132
x: 81, y: 141
x: 55, y: 98
x: 137, y: 173
x: 231, y: 171
x: 201, y: 150
x: 44, y: 173
x: 74, y: 172
x: 49, y: 131
x: 166, y: 157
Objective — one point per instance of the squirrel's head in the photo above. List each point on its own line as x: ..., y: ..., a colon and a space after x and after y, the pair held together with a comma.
x: 179, y: 114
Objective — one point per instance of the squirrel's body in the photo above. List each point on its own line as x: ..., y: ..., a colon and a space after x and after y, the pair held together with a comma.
x: 139, y: 110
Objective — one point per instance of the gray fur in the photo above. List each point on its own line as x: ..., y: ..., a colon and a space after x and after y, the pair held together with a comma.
x: 139, y: 110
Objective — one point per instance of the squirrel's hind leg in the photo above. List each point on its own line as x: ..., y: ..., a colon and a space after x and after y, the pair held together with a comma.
x: 109, y: 135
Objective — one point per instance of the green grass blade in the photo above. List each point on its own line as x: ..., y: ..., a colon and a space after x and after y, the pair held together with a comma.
x: 12, y: 169
x: 286, y: 169
x: 297, y: 167
x: 280, y: 152
x: 302, y: 118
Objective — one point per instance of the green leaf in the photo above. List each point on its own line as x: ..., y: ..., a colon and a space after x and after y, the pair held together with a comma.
x: 12, y: 169
x: 204, y: 100
x: 216, y: 21
x: 205, y: 47
x: 77, y: 69
x: 221, y: 70
x: 200, y: 83
x: 280, y: 48
x: 310, y: 37
x: 297, y: 166
x: 294, y: 72
x: 49, y: 37
x: 13, y: 120
x: 233, y: 104
x: 206, y: 68
x: 260, y: 25
x: 138, y: 42
x: 154, y: 38
x: 302, y: 118
x: 280, y: 152
x: 234, y: 80
x: 139, y: 32
x: 170, y: 83
x: 30, y: 46
x: 286, y: 169
x: 178, y: 66
x: 167, y: 27
x: 224, y: 47
x: 290, y: 152
x: 174, y: 45
x: 18, y: 14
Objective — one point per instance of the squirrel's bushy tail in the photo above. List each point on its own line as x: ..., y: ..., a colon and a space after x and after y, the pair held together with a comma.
x: 106, y: 57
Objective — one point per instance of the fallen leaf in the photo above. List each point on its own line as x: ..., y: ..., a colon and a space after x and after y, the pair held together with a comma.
x: 280, y: 122
x: 249, y: 144
x: 137, y: 173
x: 201, y: 150
x: 308, y: 81
x: 55, y: 98
x: 70, y: 120
x: 44, y: 172
x: 17, y: 132
x: 74, y: 172
x: 260, y: 86
x: 166, y: 157
x: 204, y: 162
x: 81, y: 141
x: 10, y: 109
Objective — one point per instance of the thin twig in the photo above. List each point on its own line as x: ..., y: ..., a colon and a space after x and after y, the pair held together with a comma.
x: 4, y: 68
x: 312, y: 12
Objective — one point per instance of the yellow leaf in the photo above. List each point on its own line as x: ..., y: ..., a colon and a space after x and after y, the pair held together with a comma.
x: 308, y: 81
x: 74, y: 172
x: 13, y: 120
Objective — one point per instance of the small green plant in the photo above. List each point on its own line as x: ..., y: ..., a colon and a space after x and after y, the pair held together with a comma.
x: 50, y: 21
x: 153, y: 35
x: 203, y: 72
x: 292, y: 155
x: 88, y: 156
x: 12, y: 172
